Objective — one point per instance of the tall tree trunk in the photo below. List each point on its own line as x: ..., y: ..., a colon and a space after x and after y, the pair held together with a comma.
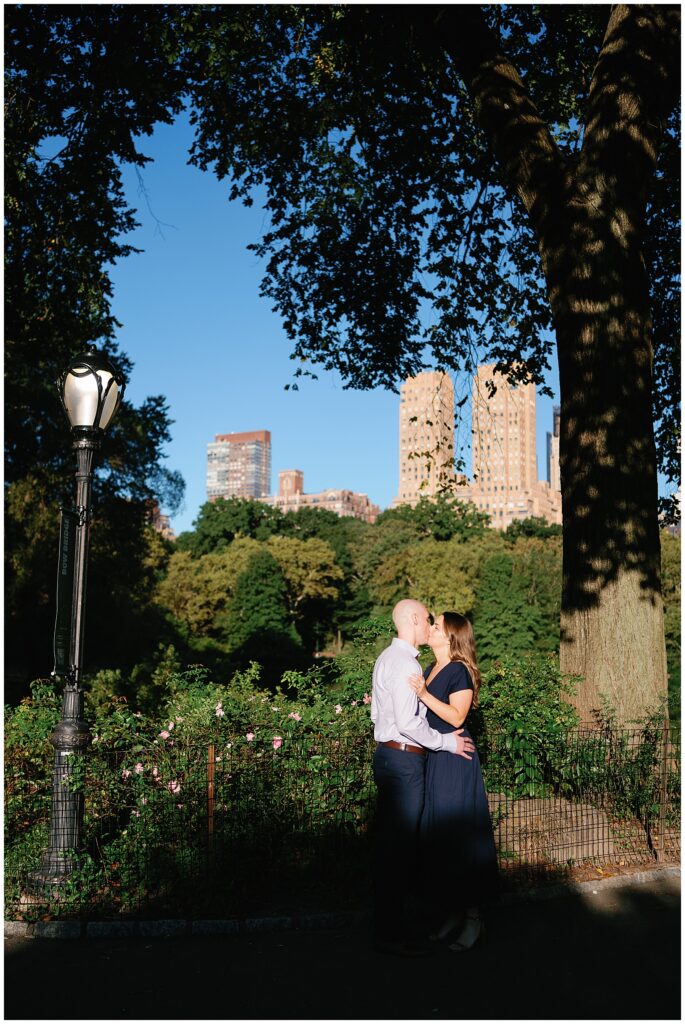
x: 588, y: 215
x: 612, y: 632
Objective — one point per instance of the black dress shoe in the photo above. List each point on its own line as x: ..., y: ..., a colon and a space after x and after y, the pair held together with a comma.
x: 401, y: 947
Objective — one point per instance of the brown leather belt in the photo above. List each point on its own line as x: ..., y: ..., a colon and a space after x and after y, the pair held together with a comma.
x: 403, y: 746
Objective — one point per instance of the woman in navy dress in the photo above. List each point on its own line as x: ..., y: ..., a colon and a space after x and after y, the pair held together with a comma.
x: 456, y: 829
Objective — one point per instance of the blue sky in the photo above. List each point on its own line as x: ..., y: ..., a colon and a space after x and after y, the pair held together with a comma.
x: 198, y: 333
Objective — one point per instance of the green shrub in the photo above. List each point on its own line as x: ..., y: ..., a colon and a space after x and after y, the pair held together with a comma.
x: 523, y: 719
x: 290, y: 771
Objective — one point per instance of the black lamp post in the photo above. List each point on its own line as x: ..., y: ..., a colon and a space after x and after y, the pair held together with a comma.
x: 91, y: 390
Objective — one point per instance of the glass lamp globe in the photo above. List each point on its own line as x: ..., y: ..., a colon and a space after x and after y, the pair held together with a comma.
x: 91, y: 390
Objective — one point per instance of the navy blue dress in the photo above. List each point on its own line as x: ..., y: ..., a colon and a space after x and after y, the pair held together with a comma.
x: 456, y: 829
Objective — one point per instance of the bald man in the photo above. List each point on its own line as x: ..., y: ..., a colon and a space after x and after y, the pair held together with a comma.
x: 402, y: 738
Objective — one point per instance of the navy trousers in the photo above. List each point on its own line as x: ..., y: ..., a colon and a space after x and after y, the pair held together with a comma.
x: 399, y: 777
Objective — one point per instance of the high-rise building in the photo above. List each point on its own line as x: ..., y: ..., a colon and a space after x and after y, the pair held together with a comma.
x: 503, y: 434
x: 553, y: 470
x: 426, y: 437
x: 239, y: 465
x: 291, y: 497
x: 503, y: 452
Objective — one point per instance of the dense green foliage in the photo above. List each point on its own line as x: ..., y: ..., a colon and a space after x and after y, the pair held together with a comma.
x: 75, y: 100
x: 670, y: 583
x: 441, y: 553
x: 258, y: 626
x: 504, y: 618
x: 221, y: 521
x: 305, y: 591
x: 285, y: 780
x: 524, y: 706
x: 332, y: 575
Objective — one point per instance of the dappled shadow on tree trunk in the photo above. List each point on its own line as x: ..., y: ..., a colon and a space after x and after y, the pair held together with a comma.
x: 588, y: 215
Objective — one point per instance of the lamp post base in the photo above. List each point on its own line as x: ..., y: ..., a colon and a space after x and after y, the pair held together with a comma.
x: 70, y: 740
x: 51, y: 876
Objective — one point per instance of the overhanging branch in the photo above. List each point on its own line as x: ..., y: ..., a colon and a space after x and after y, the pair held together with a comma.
x: 519, y: 137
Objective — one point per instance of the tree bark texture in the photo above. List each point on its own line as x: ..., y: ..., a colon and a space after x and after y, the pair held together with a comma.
x: 588, y: 216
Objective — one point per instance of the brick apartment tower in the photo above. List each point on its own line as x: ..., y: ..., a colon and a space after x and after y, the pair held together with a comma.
x: 503, y: 448
x: 426, y: 437
x: 503, y: 452
x: 290, y: 483
x: 239, y: 465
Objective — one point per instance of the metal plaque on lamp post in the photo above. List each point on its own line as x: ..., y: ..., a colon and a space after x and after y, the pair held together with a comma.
x: 91, y: 390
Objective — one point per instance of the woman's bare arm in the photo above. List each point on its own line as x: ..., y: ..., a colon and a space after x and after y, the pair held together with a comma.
x: 453, y: 713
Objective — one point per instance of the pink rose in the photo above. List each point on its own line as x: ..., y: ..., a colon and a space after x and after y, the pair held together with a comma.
x: 278, y: 742
x: 338, y: 709
x: 366, y: 698
x: 164, y: 734
x: 249, y: 736
x: 139, y: 768
x: 170, y: 726
x: 174, y: 787
x: 294, y: 714
x: 125, y: 774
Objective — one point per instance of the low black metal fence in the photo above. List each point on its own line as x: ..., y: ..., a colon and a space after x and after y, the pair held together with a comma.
x: 240, y: 829
x: 602, y: 798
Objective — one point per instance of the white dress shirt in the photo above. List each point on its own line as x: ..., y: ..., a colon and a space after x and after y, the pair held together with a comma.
x: 396, y: 712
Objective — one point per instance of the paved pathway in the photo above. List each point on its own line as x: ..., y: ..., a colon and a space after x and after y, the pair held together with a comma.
x: 610, y: 953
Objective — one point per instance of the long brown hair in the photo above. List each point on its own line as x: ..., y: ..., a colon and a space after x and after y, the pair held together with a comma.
x: 459, y: 632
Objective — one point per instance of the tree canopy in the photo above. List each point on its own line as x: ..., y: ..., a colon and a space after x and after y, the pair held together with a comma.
x: 450, y: 184
x: 445, y: 185
x: 77, y: 92
x: 75, y: 99
x: 384, y: 192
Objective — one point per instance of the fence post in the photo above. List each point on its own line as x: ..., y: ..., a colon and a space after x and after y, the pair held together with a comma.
x: 210, y: 798
x: 663, y: 792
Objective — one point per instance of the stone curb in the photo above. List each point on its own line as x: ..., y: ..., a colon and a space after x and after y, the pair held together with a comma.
x: 180, y: 927
x: 176, y: 927
x: 549, y: 892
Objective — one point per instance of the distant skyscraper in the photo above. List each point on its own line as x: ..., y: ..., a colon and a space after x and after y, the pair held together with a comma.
x: 503, y: 452
x: 553, y: 471
x: 426, y: 437
x: 239, y: 465
x: 503, y: 446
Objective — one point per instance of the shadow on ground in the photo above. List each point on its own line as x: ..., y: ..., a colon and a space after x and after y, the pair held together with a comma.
x: 612, y: 953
